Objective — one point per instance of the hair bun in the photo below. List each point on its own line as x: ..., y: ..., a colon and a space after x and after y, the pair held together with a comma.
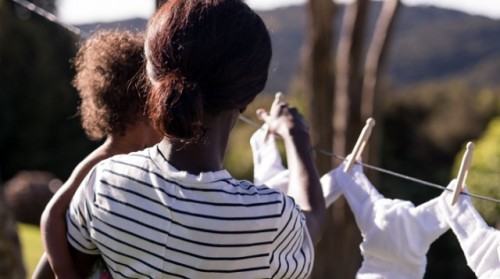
x: 176, y: 104
x: 182, y: 82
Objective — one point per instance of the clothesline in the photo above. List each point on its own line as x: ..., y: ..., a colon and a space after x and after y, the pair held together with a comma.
x: 50, y: 17
x: 381, y: 170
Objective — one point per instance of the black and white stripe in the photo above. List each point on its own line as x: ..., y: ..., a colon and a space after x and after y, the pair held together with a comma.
x: 149, y: 220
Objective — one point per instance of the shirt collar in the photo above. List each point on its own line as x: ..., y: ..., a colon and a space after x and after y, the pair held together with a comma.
x: 184, y: 176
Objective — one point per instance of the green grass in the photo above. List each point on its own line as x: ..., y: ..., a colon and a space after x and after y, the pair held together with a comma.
x: 32, y: 246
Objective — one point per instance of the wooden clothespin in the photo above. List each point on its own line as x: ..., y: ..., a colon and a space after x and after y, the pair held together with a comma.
x: 463, y: 171
x: 360, y: 144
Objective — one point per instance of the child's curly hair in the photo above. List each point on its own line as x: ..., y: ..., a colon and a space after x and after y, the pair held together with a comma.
x: 111, y: 82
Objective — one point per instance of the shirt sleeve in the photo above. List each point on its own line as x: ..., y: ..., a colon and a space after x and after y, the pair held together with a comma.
x: 293, y: 253
x: 78, y: 217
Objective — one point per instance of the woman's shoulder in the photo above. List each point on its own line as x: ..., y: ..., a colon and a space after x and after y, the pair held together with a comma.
x: 264, y: 194
x: 248, y: 187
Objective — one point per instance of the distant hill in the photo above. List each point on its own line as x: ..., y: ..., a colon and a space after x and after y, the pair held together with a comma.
x: 429, y: 45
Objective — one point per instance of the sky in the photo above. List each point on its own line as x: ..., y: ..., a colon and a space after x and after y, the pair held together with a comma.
x: 85, y: 11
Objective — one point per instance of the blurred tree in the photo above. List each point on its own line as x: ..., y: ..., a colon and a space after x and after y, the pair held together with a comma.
x: 347, y: 125
x: 318, y: 75
x: 36, y: 101
x: 371, y: 95
x: 318, y: 86
x: 424, y: 128
x: 375, y: 58
x: 484, y: 175
x: 39, y: 129
x: 349, y: 77
x: 11, y: 260
x: 343, y: 234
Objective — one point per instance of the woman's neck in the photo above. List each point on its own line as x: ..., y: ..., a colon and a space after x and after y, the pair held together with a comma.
x: 206, y: 155
x: 194, y: 158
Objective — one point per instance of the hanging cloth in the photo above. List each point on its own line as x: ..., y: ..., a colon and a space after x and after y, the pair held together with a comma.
x: 396, y: 234
x: 480, y: 243
x: 269, y: 169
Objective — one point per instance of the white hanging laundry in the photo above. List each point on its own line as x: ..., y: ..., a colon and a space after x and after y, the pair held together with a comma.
x: 269, y: 169
x: 396, y: 234
x: 331, y: 190
x: 480, y: 243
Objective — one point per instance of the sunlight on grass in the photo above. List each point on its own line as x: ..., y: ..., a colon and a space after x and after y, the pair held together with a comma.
x: 32, y: 246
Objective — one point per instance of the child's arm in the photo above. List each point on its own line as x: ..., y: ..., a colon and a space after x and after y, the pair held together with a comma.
x: 43, y: 269
x: 53, y: 227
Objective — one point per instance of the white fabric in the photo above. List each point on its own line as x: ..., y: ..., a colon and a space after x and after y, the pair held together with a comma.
x: 396, y: 234
x: 480, y: 243
x: 269, y: 169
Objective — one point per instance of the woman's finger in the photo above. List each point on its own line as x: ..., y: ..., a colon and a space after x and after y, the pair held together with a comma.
x: 262, y: 114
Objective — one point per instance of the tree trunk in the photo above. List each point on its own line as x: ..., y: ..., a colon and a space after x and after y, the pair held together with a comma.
x: 11, y: 260
x: 318, y: 73
x: 319, y: 86
x: 345, y: 259
x: 347, y: 120
x: 375, y: 59
x: 338, y: 255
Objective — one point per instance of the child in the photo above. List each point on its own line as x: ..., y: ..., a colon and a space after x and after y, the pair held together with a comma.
x: 113, y: 89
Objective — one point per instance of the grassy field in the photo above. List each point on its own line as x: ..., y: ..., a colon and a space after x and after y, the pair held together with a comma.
x: 32, y: 246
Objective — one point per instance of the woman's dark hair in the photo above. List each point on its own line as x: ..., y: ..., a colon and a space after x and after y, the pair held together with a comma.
x: 203, y: 56
x: 110, y: 79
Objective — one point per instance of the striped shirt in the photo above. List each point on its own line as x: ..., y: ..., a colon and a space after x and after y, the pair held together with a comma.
x: 149, y: 220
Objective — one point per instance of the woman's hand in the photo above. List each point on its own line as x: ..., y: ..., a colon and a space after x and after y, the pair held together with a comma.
x: 304, y: 185
x: 282, y: 119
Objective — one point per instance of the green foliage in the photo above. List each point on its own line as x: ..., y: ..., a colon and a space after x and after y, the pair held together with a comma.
x: 32, y: 247
x: 425, y: 127
x: 238, y: 159
x: 484, y: 175
x: 39, y: 128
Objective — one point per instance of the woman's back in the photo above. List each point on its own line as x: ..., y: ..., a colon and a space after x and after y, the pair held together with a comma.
x: 151, y: 220
x: 172, y: 210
